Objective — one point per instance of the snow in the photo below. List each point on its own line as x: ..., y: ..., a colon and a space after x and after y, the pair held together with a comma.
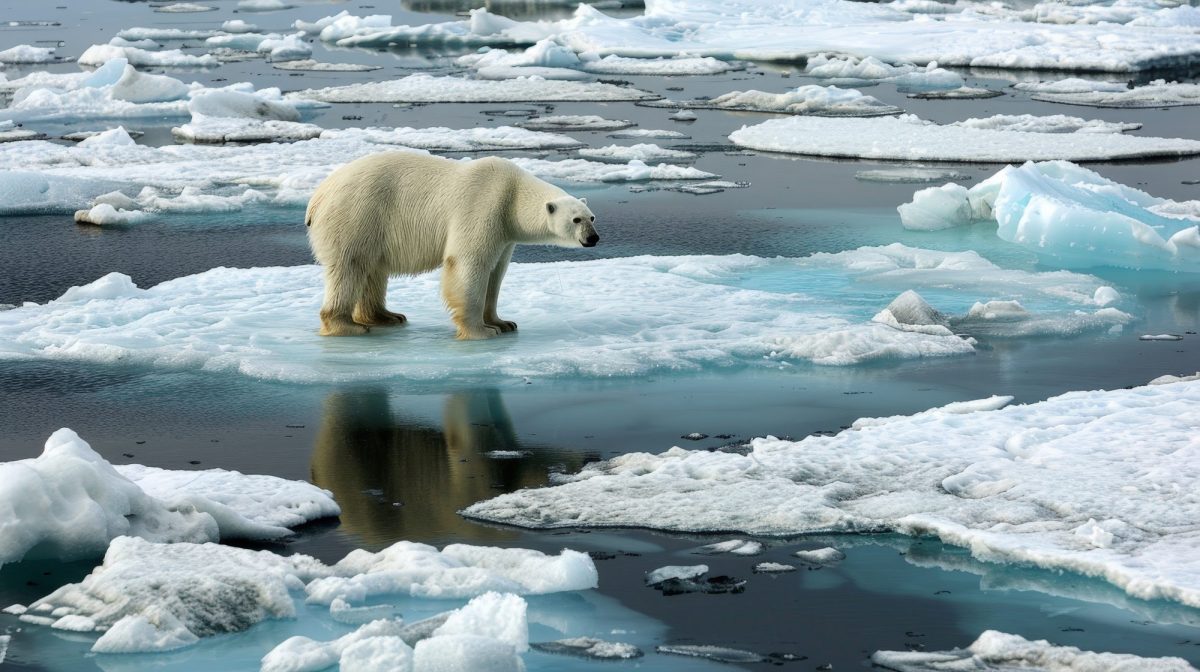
x: 810, y: 99
x: 995, y: 650
x: 99, y: 54
x: 999, y: 483
x: 690, y: 313
x: 24, y: 53
x: 912, y: 139
x: 1054, y: 123
x: 574, y: 122
x: 423, y: 88
x: 1070, y: 214
x: 70, y: 503
x: 158, y: 597
x: 1158, y: 93
x: 669, y: 572
x: 640, y: 152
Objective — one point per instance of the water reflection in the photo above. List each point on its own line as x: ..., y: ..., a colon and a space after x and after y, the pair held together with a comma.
x: 396, y: 479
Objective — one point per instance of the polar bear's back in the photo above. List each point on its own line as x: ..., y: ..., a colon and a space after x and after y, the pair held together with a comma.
x: 402, y: 206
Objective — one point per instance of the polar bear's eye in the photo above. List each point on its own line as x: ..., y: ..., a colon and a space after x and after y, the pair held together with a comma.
x: 577, y: 220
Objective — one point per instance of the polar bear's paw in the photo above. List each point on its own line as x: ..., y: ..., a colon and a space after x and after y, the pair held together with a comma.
x: 342, y: 328
x: 503, y: 325
x: 383, y: 318
x: 477, y: 333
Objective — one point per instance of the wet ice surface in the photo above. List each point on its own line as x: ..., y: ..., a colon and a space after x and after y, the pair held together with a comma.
x: 392, y: 454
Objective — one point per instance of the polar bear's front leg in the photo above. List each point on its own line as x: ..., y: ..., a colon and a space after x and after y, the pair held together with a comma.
x: 464, y: 289
x: 343, y: 284
x: 493, y: 293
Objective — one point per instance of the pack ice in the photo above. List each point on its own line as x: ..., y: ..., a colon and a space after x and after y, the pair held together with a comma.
x: 909, y: 138
x: 70, y: 503
x: 1069, y: 214
x: 607, y: 317
x: 1002, y: 482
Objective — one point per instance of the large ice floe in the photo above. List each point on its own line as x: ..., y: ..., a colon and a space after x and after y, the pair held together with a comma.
x: 793, y: 30
x: 627, y: 316
x: 159, y: 597
x: 1000, y: 481
x: 70, y: 503
x: 910, y: 138
x: 423, y: 88
x: 1069, y: 214
x: 1001, y: 651
x: 1158, y: 93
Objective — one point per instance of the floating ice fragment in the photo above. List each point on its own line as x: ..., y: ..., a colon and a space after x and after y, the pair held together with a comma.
x: 821, y: 557
x: 1160, y: 337
x: 423, y: 88
x: 184, y: 8
x: 99, y: 54
x: 302, y: 654
x: 155, y: 630
x: 661, y: 574
x: 1055, y: 123
x: 263, y: 5
x: 641, y: 152
x: 492, y: 615
x: 341, y: 611
x: 998, y: 651
x: 648, y: 133
x: 308, y: 64
x: 683, y: 115
x: 1071, y: 85
x: 574, y: 122
x: 909, y: 175
x: 466, y: 653
x: 238, y: 26
x: 24, y: 53
x: 734, y: 546
x: 441, y: 139
x: 718, y: 653
x: 1169, y: 379
x: 506, y: 454
x: 590, y: 647
x: 773, y: 568
x: 1158, y: 93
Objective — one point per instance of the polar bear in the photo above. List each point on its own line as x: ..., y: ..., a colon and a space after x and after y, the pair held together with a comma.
x: 402, y: 213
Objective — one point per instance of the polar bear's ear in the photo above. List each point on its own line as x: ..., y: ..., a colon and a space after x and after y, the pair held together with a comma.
x: 583, y: 200
x: 550, y: 208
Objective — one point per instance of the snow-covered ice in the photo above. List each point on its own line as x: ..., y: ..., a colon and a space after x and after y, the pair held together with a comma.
x: 423, y: 88
x: 590, y: 647
x: 648, y: 134
x: 809, y: 99
x: 1158, y: 93
x: 1070, y: 214
x: 99, y: 54
x: 308, y: 64
x: 910, y: 138
x: 25, y: 53
x: 908, y: 175
x: 184, y: 8
x: 773, y: 568
x: 574, y: 122
x: 642, y: 152
x: 821, y: 556
x: 70, y: 503
x: 441, y: 139
x: 906, y: 76
x: 1001, y: 651
x: 1053, y: 123
x: 669, y: 572
x: 302, y: 654
x: 220, y: 130
x: 734, y: 546
x: 996, y: 481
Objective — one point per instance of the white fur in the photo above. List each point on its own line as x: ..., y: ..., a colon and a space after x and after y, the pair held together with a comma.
x: 402, y: 213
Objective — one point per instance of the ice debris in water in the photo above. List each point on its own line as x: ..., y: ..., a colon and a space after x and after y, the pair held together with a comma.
x: 773, y: 568
x: 156, y: 597
x: 718, y: 653
x: 423, y: 88
x: 1160, y: 337
x: 909, y: 175
x: 574, y: 122
x: 341, y: 611
x: 661, y: 574
x: 979, y: 484
x: 734, y: 546
x: 184, y: 8
x: 907, y: 77
x: 1000, y: 651
x: 909, y: 138
x: 810, y: 99
x: 184, y: 323
x: 590, y: 647
x: 5, y: 640
x: 308, y: 64
x: 648, y: 152
x: 24, y: 53
x: 99, y: 54
x: 648, y: 133
x: 552, y: 60
x: 1170, y: 379
x: 1158, y: 93
x: 70, y: 503
x: 1070, y: 214
x: 820, y: 557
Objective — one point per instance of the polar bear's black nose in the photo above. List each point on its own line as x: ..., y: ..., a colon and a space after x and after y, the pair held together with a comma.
x: 591, y: 240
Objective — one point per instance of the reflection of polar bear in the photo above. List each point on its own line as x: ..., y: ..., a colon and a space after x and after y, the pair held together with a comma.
x: 401, y: 213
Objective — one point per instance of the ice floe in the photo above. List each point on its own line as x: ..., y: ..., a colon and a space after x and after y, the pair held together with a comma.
x: 184, y: 8
x: 907, y: 77
x: 1054, y: 123
x: 554, y: 61
x: 810, y: 99
x: 691, y: 313
x: 574, y: 122
x: 423, y: 88
x: 70, y: 503
x: 99, y: 54
x: 773, y: 568
x: 909, y: 138
x: 998, y: 483
x: 648, y: 134
x: 821, y: 556
x: 25, y: 53
x: 669, y: 572
x: 1069, y: 214
x: 908, y: 175
x: 308, y: 64
x: 590, y: 647
x: 710, y: 652
x: 263, y: 5
x: 440, y: 139
x: 1001, y: 651
x: 1158, y: 93
x: 157, y: 597
x: 640, y: 152
x: 220, y: 130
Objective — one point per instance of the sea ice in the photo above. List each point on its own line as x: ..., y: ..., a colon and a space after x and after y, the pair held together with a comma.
x: 909, y: 175
x: 161, y: 34
x: 1167, y: 380
x: 821, y: 556
x: 184, y: 8
x: 635, y: 170
x: 810, y: 99
x: 1054, y: 123
x: 907, y: 77
x: 648, y: 133
x: 1070, y: 214
x: 909, y: 138
x: 423, y: 88
x: 440, y: 139
x: 981, y: 482
x: 734, y: 546
x: 641, y: 152
x: 707, y: 651
x: 1001, y: 651
x: 262, y: 5
x: 308, y: 64
x: 773, y: 568
x: 238, y: 26
x: 669, y: 572
x: 69, y: 502
x: 24, y: 53
x: 690, y: 314
x: 302, y: 654
x: 1071, y: 85
x: 590, y: 647
x: 99, y: 54
x: 4, y: 642
x: 1158, y: 93
x: 220, y: 130
x: 574, y: 122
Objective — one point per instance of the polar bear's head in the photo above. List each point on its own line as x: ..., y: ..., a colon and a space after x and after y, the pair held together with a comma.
x: 571, y: 223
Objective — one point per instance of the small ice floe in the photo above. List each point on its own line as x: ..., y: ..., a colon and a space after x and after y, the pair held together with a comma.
x: 552, y: 60
x: 308, y: 64
x: 441, y: 139
x: 682, y: 579
x: 1068, y: 213
x: 506, y: 454
x: 613, y: 64
x: 961, y: 93
x: 70, y: 503
x: 820, y: 557
x: 342, y: 612
x: 204, y: 129
x: 159, y: 34
x: 10, y: 133
x: 648, y: 134
x: 184, y: 8
x: 995, y: 650
x: 589, y: 647
x: 581, y: 170
x: 773, y: 568
x: 709, y: 187
x: 1160, y: 337
x: 1158, y: 93
x: 683, y: 115
x: 648, y: 152
x: 423, y: 88
x: 115, y: 208
x: 24, y: 53
x: 99, y: 54
x: 1169, y: 379
x: 80, y: 136
x: 810, y: 99
x: 910, y: 138
x: 734, y: 546
x: 1054, y: 123
x: 909, y: 175
x: 720, y: 654
x: 263, y: 5
x: 657, y: 576
x: 574, y: 122
x: 694, y: 436
x: 238, y: 26
x: 907, y: 77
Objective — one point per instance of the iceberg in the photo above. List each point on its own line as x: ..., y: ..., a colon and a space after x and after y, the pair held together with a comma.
x: 1069, y: 214
x: 997, y: 483
x: 69, y: 502
x: 690, y: 314
x: 909, y: 138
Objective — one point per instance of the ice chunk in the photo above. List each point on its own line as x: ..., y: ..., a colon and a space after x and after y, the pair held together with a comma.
x: 184, y: 8
x: 423, y: 88
x: 821, y: 556
x: 1105, y: 296
x: 1071, y: 85
x: 308, y: 64
x: 262, y: 5
x: 910, y: 312
x: 1168, y: 379
x: 649, y: 133
x: 773, y: 568
x: 24, y: 53
x: 678, y: 65
x: 1055, y: 123
x: 249, y: 105
x: 718, y: 653
x: 937, y: 208
x: 661, y: 574
x: 912, y: 139
x: 302, y: 654
x: 892, y: 474
x: 138, y: 87
x: 99, y: 54
x: 376, y: 654
x: 1160, y: 337
x: 908, y: 175
x: 287, y: 48
x: 810, y: 99
x: 734, y: 546
x: 238, y: 26
x: 1158, y: 93
x: 640, y: 152
x: 220, y: 130
x: 995, y: 650
x: 341, y: 611
x: 466, y: 653
x: 683, y: 115
x: 156, y: 630
x: 580, y: 170
x: 574, y: 122
x: 590, y: 647
x: 491, y: 615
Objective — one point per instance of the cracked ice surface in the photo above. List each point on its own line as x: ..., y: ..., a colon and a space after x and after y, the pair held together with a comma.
x: 628, y: 316
x: 912, y: 139
x: 1000, y: 482
x: 70, y: 503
